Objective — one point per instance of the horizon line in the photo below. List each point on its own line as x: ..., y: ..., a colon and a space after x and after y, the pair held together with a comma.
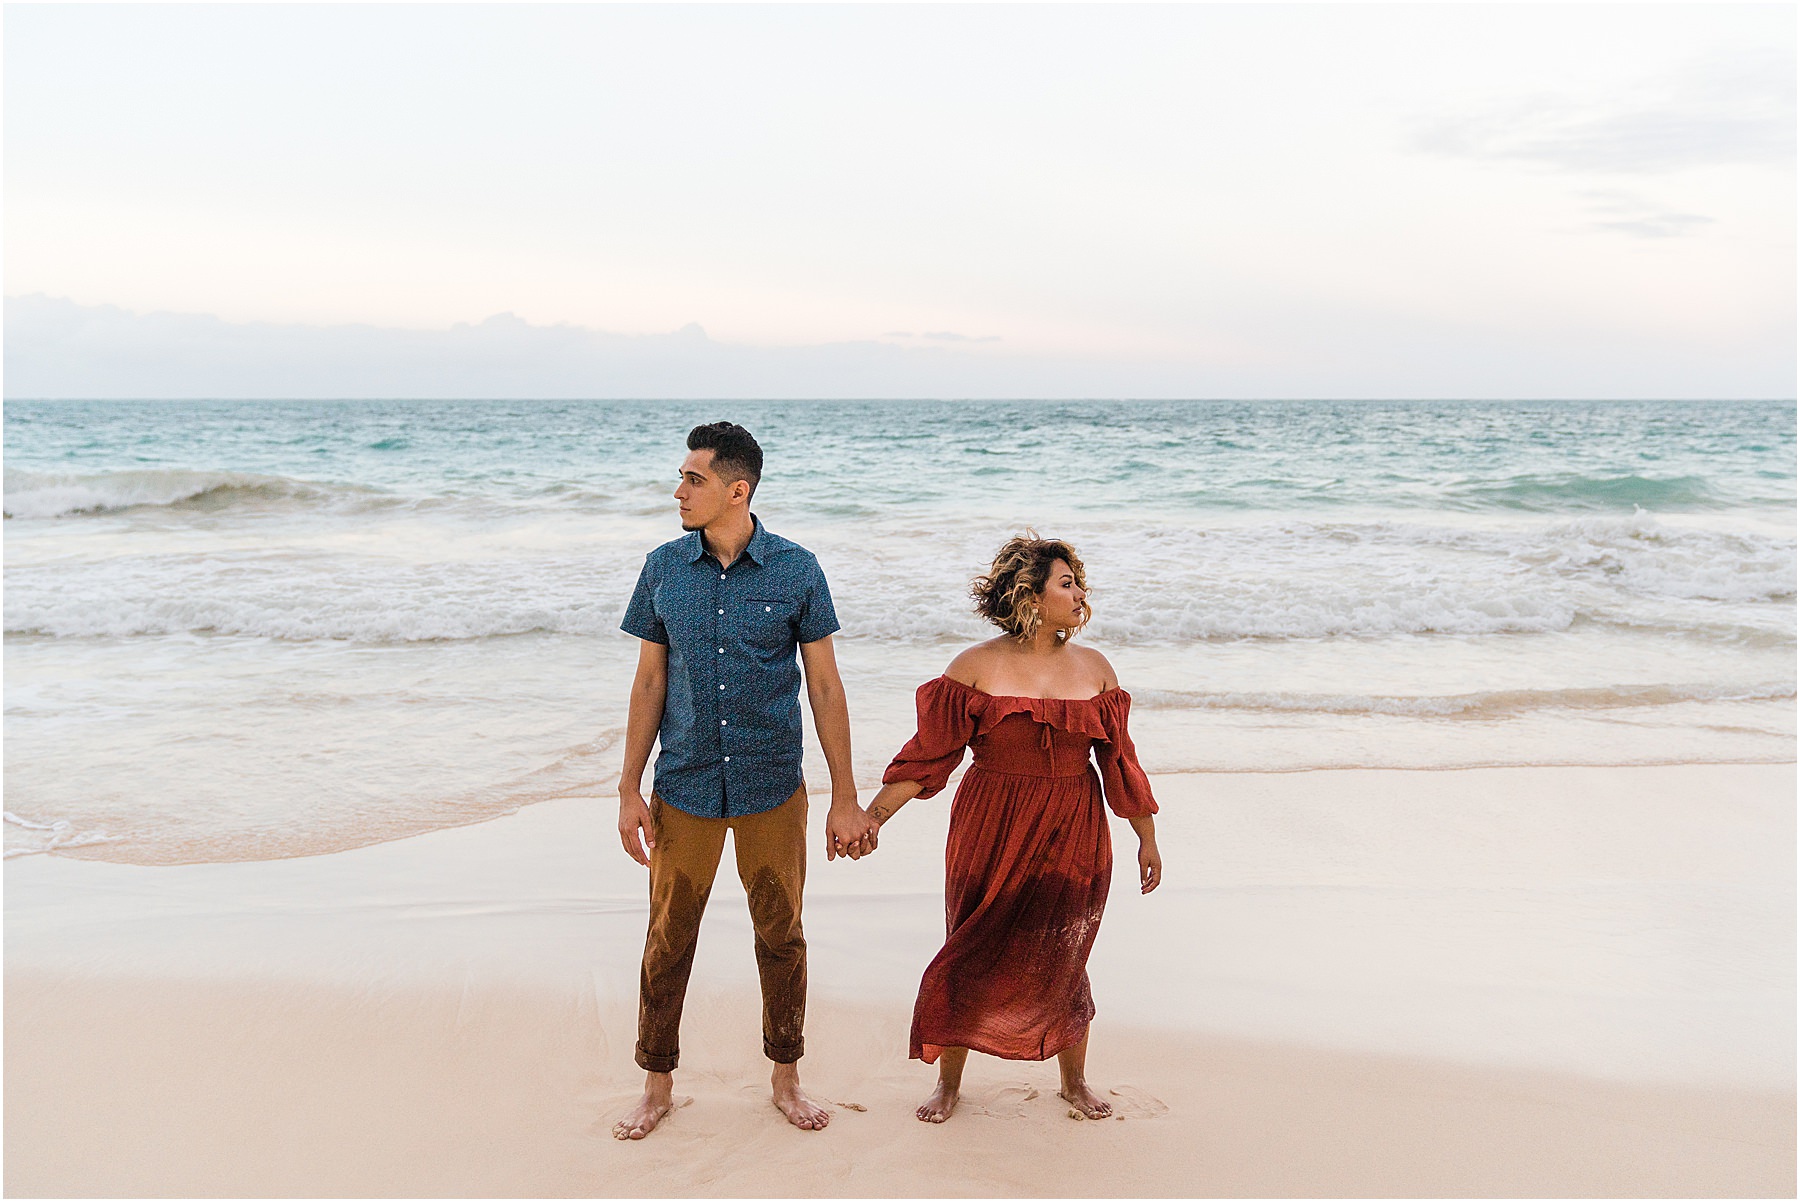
x: 971, y: 400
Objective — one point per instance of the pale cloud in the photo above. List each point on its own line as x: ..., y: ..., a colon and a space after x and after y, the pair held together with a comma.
x: 1627, y: 213
x: 57, y: 348
x: 943, y: 336
x: 1703, y: 117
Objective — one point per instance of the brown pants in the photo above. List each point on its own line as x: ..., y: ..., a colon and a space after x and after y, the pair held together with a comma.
x: 771, y: 861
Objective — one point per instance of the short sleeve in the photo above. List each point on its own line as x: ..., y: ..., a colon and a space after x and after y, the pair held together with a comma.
x: 817, y: 616
x: 641, y: 617
x: 946, y: 724
x: 1121, y: 776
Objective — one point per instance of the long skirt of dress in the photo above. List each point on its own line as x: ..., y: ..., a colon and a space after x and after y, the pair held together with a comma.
x: 1026, y: 872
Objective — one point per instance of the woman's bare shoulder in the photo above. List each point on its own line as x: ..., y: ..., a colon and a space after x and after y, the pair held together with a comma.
x: 972, y: 663
x: 1096, y: 663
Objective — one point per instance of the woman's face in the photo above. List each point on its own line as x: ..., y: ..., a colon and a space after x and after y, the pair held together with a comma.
x: 1063, y: 603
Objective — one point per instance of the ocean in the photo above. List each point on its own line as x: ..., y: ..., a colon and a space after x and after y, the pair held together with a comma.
x: 244, y: 630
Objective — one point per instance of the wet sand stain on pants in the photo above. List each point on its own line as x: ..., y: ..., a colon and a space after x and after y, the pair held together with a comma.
x: 771, y: 862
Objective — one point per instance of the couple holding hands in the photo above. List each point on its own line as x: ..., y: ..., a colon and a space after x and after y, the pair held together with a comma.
x: 720, y: 612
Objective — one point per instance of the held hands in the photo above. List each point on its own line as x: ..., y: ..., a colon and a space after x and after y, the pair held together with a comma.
x: 850, y: 830
x: 636, y: 830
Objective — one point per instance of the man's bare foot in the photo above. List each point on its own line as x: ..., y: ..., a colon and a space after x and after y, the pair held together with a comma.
x: 656, y: 1103
x: 939, y: 1105
x: 792, y: 1101
x: 1089, y: 1103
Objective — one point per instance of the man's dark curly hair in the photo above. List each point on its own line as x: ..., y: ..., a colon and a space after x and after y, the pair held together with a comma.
x: 736, y: 455
x: 1021, y: 570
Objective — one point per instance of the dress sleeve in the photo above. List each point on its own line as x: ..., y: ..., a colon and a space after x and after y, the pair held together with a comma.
x: 946, y: 724
x: 1121, y: 776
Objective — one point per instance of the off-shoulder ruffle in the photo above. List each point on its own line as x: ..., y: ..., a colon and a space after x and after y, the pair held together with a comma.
x: 1091, y: 716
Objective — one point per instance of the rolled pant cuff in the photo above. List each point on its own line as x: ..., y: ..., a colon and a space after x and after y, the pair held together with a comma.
x: 784, y: 1054
x: 652, y: 1063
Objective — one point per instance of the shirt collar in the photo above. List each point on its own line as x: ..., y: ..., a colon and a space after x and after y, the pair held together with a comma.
x: 757, y: 550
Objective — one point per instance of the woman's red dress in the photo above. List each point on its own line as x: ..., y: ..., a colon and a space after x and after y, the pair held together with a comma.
x: 1027, y: 865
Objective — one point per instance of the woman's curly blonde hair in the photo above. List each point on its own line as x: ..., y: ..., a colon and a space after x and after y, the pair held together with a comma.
x: 1020, y: 572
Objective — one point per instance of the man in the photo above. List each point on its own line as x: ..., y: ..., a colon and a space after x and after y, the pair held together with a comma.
x: 720, y: 612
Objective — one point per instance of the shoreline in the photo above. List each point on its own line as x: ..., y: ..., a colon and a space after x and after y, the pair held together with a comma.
x: 1383, y: 982
x: 95, y: 851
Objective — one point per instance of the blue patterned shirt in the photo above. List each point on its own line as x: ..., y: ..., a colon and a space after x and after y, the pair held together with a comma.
x: 731, y: 724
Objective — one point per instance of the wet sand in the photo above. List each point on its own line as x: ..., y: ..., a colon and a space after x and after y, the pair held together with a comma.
x: 1495, y: 982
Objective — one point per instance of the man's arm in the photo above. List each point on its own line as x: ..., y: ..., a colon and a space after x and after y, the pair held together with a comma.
x: 846, y: 825
x: 649, y: 692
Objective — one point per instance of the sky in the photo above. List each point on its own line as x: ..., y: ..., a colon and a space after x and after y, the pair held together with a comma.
x: 1159, y: 200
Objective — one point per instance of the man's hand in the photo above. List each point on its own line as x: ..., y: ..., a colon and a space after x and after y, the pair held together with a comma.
x: 849, y: 831
x: 636, y: 831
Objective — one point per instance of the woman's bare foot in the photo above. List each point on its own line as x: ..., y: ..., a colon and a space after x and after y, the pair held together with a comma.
x: 792, y: 1101
x: 656, y: 1103
x: 1072, y: 1064
x: 942, y: 1101
x: 939, y: 1105
x: 1089, y: 1103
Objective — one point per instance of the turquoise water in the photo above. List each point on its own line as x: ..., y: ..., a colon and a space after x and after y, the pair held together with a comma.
x: 250, y: 628
x: 871, y: 459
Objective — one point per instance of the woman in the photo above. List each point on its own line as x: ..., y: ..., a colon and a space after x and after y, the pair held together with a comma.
x: 1029, y: 861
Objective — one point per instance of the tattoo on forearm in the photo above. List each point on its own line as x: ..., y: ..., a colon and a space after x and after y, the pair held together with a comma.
x: 879, y: 813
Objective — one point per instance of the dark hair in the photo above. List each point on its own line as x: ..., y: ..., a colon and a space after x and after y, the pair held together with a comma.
x: 1020, y: 572
x: 735, y: 453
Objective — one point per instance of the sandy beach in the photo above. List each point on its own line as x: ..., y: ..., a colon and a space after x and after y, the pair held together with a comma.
x: 1489, y: 982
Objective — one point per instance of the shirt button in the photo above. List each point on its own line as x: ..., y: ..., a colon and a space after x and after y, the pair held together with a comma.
x: 721, y: 575
x: 727, y: 759
x: 721, y: 721
x: 768, y: 609
x: 721, y: 611
x: 721, y: 688
x: 721, y: 651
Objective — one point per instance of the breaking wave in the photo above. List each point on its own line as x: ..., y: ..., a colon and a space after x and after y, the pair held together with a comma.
x: 1565, y: 491
x: 1496, y: 704
x: 47, y: 495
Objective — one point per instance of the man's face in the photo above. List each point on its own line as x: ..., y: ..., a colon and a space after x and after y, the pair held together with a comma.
x: 703, y: 494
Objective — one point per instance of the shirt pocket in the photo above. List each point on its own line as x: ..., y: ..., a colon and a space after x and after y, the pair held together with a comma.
x: 767, y: 623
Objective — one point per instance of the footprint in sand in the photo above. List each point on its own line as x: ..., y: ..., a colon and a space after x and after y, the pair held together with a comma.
x: 1134, y: 1103
x: 851, y: 1105
x: 1007, y: 1102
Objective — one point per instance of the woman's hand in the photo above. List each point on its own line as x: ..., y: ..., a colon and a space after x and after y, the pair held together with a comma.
x: 1149, y: 858
x: 1149, y: 864
x: 849, y: 831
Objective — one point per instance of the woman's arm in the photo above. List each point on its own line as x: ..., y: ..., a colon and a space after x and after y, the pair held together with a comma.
x: 1149, y: 857
x: 883, y: 806
x: 888, y: 801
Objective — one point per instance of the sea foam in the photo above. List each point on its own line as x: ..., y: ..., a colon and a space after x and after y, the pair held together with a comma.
x: 1494, y: 704
x: 1151, y: 584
